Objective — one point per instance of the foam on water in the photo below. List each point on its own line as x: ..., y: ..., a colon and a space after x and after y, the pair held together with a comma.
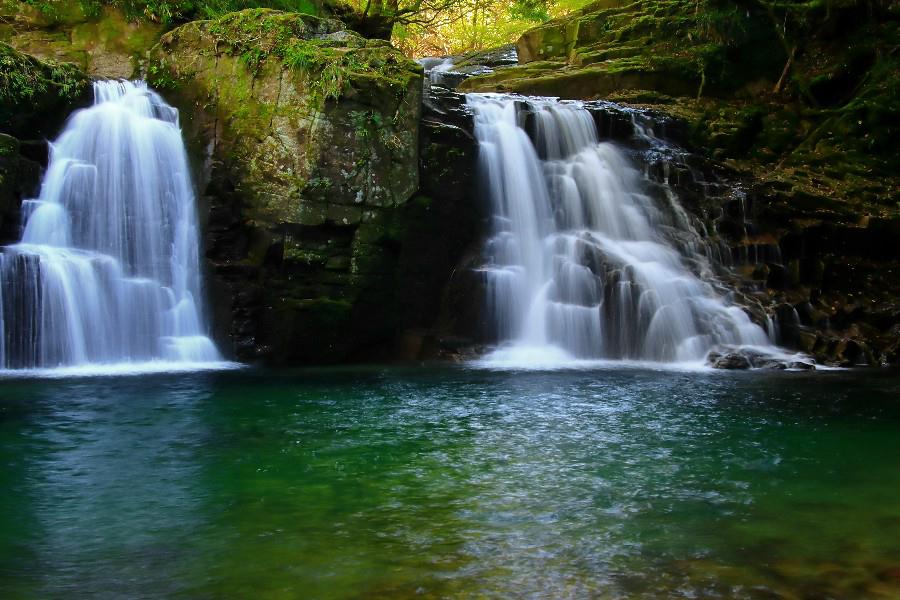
x: 121, y: 369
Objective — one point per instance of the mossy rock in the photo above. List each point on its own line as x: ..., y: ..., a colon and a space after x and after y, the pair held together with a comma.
x: 101, y: 40
x: 310, y: 137
x: 292, y: 101
x: 675, y: 47
x: 591, y: 82
x: 36, y: 95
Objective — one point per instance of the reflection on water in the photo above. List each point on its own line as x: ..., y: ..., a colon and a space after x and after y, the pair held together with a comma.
x: 451, y: 483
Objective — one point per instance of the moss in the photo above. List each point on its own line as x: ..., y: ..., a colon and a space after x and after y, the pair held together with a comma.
x: 320, y: 175
x: 9, y: 146
x: 307, y: 257
x: 326, y: 313
x: 302, y: 43
x: 104, y: 44
x: 23, y: 78
x: 166, y: 12
x: 31, y: 88
x: 717, y: 46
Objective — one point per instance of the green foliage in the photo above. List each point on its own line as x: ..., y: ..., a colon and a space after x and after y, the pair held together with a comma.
x: 169, y: 12
x: 363, y: 122
x: 530, y: 10
x: 255, y: 35
x: 161, y: 78
x: 25, y: 79
x: 460, y: 26
x: 419, y: 26
x: 34, y: 92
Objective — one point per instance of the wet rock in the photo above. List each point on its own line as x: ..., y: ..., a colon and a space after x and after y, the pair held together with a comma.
x: 19, y: 179
x: 801, y: 366
x: 728, y: 361
x: 102, y: 43
x: 36, y: 96
x: 748, y: 358
x: 806, y: 340
x: 891, y: 574
x: 346, y: 202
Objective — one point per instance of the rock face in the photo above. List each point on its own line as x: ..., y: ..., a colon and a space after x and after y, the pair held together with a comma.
x: 19, y: 178
x: 35, y: 98
x: 795, y: 109
x: 674, y: 47
x: 309, y: 136
x: 334, y: 213
x: 101, y: 41
x: 35, y: 95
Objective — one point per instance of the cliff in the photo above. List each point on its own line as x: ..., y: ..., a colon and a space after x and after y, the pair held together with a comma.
x: 310, y: 138
x: 323, y: 243
x: 35, y: 98
x: 798, y: 105
x: 336, y: 211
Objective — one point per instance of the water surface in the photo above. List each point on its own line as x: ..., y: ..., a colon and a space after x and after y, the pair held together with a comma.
x: 451, y: 482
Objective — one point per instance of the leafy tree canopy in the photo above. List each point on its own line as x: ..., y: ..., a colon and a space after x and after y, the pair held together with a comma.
x: 418, y: 27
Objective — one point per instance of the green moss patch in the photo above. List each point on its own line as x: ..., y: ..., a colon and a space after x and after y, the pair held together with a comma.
x: 32, y: 90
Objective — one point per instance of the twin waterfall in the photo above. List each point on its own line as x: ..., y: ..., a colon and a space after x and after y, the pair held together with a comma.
x: 577, y: 267
x: 107, y: 270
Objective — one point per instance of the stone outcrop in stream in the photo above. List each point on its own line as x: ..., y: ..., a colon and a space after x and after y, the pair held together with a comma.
x: 323, y: 244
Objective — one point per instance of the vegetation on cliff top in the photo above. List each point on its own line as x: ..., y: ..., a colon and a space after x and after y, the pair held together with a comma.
x: 29, y: 86
x: 168, y: 11
x: 321, y: 49
x: 329, y: 61
x: 805, y: 91
x: 418, y: 27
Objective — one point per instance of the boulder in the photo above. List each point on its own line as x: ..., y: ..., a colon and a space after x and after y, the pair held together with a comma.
x: 100, y: 40
x: 307, y: 138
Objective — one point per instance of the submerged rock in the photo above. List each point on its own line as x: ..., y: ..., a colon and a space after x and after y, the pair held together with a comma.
x: 751, y: 358
x: 730, y: 361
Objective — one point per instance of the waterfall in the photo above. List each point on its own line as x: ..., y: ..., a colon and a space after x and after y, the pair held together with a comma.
x: 578, y: 264
x: 107, y: 269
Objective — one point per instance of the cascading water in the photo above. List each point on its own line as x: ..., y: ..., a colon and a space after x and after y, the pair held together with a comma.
x: 577, y: 265
x: 107, y: 269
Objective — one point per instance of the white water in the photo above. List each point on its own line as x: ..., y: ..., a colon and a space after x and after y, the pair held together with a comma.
x: 107, y: 270
x: 577, y: 267
x: 435, y: 67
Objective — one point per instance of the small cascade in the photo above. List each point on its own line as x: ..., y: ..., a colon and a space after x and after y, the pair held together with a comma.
x: 582, y: 262
x: 107, y: 269
x: 449, y: 71
x: 435, y: 68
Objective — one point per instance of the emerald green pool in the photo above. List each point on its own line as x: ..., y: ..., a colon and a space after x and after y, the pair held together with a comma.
x: 451, y: 483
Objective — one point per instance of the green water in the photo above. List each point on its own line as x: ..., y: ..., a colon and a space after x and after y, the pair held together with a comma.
x: 449, y: 482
